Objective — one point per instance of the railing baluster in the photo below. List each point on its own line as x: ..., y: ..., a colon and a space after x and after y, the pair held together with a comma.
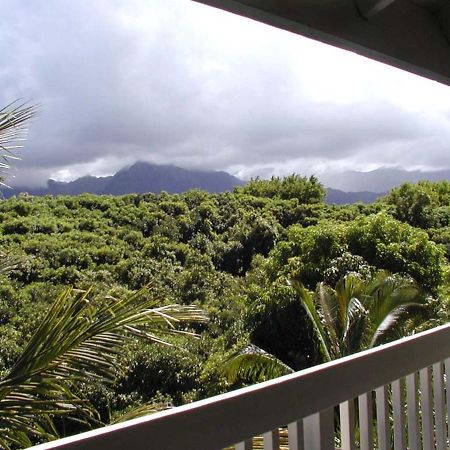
x: 366, y: 421
x: 246, y: 445
x: 347, y: 415
x: 399, y: 414
x: 439, y: 406
x: 295, y: 435
x: 319, y: 431
x: 383, y: 425
x: 412, y: 400
x: 426, y: 407
x: 271, y: 440
x: 447, y: 390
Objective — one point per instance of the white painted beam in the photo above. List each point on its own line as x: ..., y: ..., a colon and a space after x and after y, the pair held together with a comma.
x: 369, y: 8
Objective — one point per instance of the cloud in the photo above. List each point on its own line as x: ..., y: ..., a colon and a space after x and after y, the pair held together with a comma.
x: 178, y: 82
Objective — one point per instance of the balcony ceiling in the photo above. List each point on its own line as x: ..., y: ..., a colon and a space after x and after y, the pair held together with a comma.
x: 413, y: 35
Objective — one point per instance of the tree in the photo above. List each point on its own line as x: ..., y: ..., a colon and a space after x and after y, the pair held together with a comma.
x: 355, y: 315
x: 358, y: 314
x: 306, y: 190
x: 381, y: 240
x: 419, y: 204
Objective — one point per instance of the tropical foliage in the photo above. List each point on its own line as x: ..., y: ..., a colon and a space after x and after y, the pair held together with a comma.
x: 79, y: 338
x: 357, y: 314
x: 229, y: 254
x: 14, y: 119
x: 305, y: 190
x: 423, y: 205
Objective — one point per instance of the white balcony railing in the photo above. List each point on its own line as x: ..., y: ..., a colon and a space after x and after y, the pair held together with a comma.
x: 400, y: 393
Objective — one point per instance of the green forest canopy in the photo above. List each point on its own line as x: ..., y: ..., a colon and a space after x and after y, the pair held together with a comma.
x: 228, y: 253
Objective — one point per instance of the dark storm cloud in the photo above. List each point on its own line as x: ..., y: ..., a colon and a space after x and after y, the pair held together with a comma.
x: 174, y: 82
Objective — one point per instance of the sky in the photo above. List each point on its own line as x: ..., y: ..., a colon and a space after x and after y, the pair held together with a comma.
x: 177, y: 82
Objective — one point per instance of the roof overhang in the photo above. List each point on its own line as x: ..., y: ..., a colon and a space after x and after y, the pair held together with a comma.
x: 413, y: 35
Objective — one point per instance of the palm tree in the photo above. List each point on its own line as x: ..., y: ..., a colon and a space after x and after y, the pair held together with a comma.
x: 358, y: 314
x: 355, y: 315
x: 79, y: 338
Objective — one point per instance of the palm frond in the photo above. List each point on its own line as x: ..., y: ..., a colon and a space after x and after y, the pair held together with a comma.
x: 356, y: 314
x: 330, y: 306
x: 252, y: 363
x: 14, y: 119
x: 79, y: 338
x: 307, y: 301
x: 390, y: 296
x: 139, y: 411
x: 359, y: 313
x: 387, y: 324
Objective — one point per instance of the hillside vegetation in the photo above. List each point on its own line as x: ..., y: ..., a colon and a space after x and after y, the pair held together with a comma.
x: 230, y: 254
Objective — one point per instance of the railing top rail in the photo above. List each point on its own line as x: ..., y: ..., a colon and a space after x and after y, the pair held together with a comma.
x: 220, y: 421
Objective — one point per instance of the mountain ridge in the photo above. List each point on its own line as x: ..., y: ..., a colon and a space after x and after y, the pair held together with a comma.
x: 142, y: 177
x: 379, y: 180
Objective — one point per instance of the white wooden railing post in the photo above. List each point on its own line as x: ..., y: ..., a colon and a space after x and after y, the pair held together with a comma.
x: 296, y: 437
x: 447, y: 390
x: 246, y: 445
x: 412, y: 400
x: 383, y: 423
x: 365, y: 421
x: 426, y: 409
x: 319, y: 430
x: 347, y: 415
x: 399, y: 415
x: 439, y: 406
x: 271, y: 440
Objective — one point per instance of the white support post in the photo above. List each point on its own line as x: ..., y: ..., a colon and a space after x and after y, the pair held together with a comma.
x: 246, y: 445
x: 366, y: 421
x: 427, y: 409
x: 271, y: 440
x: 412, y: 401
x: 399, y: 415
x: 319, y: 431
x: 383, y: 424
x: 447, y: 390
x: 295, y: 435
x: 347, y: 416
x: 439, y: 406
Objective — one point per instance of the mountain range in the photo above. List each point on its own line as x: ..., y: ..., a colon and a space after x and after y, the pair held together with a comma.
x: 139, y: 178
x: 144, y: 177
x: 379, y: 180
x: 338, y: 197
